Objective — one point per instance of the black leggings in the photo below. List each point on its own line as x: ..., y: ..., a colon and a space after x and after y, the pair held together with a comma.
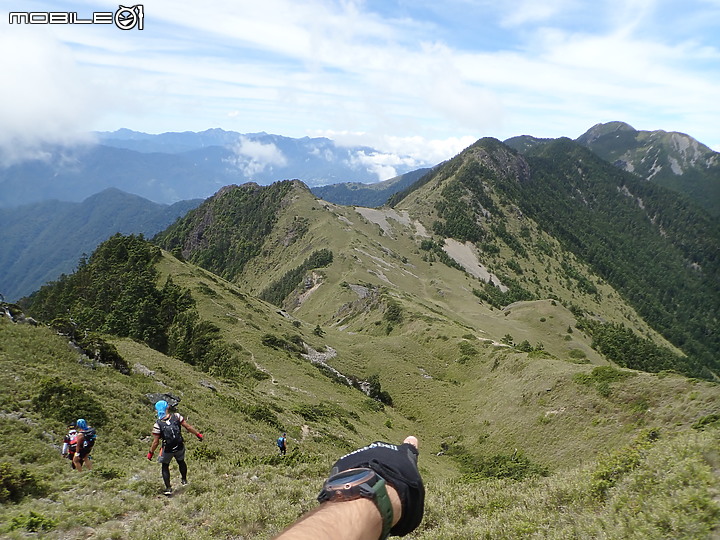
x: 166, y: 472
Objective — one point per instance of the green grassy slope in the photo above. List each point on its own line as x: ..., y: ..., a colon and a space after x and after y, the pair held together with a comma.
x: 525, y: 429
x: 451, y: 386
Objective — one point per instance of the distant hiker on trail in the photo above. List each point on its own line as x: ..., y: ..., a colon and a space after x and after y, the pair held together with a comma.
x: 84, y: 444
x: 70, y: 444
x: 282, y: 444
x: 167, y: 428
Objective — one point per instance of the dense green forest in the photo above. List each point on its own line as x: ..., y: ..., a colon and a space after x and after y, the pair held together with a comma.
x: 278, y: 291
x: 658, y: 249
x: 114, y: 292
x: 227, y: 230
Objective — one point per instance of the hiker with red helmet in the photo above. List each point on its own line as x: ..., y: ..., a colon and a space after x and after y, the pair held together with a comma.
x: 70, y: 444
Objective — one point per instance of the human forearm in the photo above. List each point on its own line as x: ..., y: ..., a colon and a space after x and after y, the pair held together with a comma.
x: 350, y: 520
x: 191, y: 429
x: 155, y: 443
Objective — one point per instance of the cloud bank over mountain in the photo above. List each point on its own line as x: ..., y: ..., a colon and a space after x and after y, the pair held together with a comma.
x: 427, y: 71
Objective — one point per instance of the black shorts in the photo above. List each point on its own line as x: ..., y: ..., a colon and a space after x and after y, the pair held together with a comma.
x: 166, y: 457
x: 85, y: 450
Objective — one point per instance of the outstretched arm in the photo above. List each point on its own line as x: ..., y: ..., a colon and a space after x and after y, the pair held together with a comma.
x: 191, y: 429
x: 155, y: 442
x: 360, y: 519
x: 349, y: 520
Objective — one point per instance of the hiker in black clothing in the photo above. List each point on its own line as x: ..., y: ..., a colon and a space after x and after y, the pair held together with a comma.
x: 167, y: 428
x: 84, y: 443
x: 282, y: 444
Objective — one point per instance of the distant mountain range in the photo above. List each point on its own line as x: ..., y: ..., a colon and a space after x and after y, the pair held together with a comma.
x: 43, y: 240
x: 46, y: 238
x: 170, y: 167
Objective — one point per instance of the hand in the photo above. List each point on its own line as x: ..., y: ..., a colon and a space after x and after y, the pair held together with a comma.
x: 200, y: 437
x: 150, y: 455
x: 398, y: 466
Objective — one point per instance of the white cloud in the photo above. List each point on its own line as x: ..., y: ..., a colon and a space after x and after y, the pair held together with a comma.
x: 548, y: 69
x: 376, y: 163
x: 393, y: 153
x: 412, y: 151
x: 253, y: 157
x: 45, y: 97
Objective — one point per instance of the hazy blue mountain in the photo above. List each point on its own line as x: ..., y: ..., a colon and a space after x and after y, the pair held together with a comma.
x: 370, y: 195
x: 41, y: 241
x: 170, y: 167
x: 172, y: 142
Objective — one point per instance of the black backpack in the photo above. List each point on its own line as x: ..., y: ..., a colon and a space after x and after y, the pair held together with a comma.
x: 89, y: 436
x: 171, y: 434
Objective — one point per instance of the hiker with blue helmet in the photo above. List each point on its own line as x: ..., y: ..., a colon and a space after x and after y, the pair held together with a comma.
x: 282, y: 444
x: 167, y: 428
x: 84, y: 442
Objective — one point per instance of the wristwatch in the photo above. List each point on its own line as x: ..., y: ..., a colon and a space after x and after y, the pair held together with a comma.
x: 353, y: 484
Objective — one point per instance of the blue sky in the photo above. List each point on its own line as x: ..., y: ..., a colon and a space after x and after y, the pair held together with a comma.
x: 416, y: 79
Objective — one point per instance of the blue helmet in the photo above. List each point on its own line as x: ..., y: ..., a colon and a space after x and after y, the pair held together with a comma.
x: 81, y: 423
x: 161, y: 408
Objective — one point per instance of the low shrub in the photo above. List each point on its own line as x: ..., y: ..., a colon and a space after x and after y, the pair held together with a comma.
x: 709, y: 421
x: 33, y: 522
x: 295, y: 457
x: 262, y: 413
x: 108, y: 473
x: 601, y: 377
x: 475, y: 468
x: 16, y: 483
x: 66, y: 402
x: 513, y: 467
x: 611, y: 469
x: 205, y: 453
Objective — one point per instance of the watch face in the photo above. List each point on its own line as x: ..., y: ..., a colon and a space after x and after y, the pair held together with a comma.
x: 351, y: 477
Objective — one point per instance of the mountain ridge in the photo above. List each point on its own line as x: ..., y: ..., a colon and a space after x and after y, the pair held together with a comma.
x: 671, y: 159
x: 474, y: 305
x: 492, y: 225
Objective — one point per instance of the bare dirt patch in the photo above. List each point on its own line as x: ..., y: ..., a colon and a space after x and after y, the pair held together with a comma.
x: 465, y: 256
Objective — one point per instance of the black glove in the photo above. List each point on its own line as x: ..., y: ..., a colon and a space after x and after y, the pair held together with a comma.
x: 397, y: 464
